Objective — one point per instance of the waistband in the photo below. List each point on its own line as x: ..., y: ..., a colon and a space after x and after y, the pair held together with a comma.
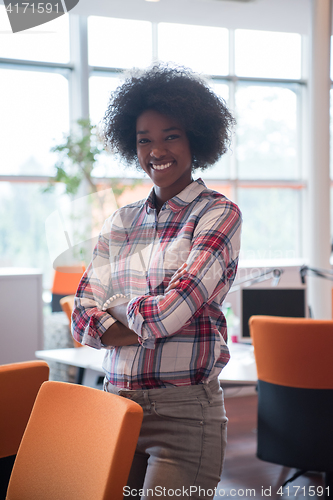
x: 168, y: 393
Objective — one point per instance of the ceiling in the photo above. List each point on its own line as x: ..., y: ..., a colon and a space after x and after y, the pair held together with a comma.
x: 271, y: 15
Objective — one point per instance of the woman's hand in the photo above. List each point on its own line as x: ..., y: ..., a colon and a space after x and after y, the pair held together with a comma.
x: 119, y: 335
x: 174, y: 282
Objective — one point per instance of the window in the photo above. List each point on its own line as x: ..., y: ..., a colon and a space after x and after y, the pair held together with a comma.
x: 36, y: 108
x: 222, y: 169
x: 257, y: 73
x: 202, y: 48
x: 119, y: 43
x: 271, y: 223
x: 267, y: 129
x: 36, y: 44
x: 22, y: 229
x: 34, y: 102
x: 265, y: 54
x: 100, y: 88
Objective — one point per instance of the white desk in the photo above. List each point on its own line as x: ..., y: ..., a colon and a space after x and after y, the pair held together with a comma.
x: 241, y: 369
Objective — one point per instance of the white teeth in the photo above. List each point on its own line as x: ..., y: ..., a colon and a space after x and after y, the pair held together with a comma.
x: 161, y: 167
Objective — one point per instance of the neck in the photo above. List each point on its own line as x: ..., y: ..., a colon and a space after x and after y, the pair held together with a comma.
x: 162, y: 195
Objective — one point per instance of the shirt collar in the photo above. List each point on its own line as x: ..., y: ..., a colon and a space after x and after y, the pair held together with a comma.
x: 182, y: 199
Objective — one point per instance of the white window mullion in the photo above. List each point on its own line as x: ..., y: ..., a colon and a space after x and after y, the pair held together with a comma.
x: 155, y: 42
x: 232, y: 106
x: 79, y: 82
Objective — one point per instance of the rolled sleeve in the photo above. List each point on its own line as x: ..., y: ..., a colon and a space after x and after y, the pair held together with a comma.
x: 89, y: 321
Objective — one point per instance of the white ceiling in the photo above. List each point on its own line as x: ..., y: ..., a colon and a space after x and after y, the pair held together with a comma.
x: 271, y: 15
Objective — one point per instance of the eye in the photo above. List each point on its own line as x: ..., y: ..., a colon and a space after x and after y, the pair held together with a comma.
x: 143, y: 141
x: 172, y: 136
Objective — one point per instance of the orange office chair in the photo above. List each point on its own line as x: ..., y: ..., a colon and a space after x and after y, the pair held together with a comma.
x: 295, y: 392
x: 65, y: 282
x: 19, y: 385
x: 67, y: 305
x: 78, y: 445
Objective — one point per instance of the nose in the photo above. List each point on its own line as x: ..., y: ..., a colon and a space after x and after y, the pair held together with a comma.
x: 158, y: 153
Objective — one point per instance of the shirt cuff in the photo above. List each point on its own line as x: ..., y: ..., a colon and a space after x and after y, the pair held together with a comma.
x: 147, y: 341
x: 94, y: 342
x: 136, y: 323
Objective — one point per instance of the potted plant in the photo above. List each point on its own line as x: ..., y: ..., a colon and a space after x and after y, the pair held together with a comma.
x: 82, y: 217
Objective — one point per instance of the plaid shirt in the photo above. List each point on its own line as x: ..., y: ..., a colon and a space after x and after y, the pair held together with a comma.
x: 182, y: 333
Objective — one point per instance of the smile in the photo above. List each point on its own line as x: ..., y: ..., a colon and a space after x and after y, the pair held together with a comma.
x: 161, y: 167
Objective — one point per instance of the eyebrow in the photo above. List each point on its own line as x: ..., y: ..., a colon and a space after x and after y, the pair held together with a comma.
x: 165, y: 130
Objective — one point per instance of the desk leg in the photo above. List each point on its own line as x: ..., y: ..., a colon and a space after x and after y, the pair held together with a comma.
x: 90, y: 378
x: 79, y: 375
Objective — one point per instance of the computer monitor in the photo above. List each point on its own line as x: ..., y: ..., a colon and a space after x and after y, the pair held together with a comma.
x: 289, y: 302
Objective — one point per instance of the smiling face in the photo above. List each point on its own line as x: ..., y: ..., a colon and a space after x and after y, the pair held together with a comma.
x: 164, y: 153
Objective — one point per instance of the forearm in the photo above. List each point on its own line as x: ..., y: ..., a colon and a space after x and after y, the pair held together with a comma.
x: 119, y: 335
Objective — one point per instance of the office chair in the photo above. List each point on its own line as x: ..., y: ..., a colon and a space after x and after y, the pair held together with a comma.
x: 19, y: 385
x: 65, y: 282
x: 67, y: 305
x: 295, y: 392
x: 78, y: 445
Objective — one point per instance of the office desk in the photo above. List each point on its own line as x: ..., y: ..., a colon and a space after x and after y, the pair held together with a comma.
x: 241, y: 369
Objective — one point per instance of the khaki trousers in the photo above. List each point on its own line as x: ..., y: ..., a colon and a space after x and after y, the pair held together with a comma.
x: 182, y: 442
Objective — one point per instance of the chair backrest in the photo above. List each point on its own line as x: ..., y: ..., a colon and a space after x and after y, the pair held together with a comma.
x: 78, y: 445
x: 19, y: 385
x: 294, y: 352
x: 295, y: 391
x: 67, y: 305
x: 65, y: 282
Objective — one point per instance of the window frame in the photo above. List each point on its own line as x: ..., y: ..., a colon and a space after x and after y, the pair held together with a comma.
x: 78, y: 72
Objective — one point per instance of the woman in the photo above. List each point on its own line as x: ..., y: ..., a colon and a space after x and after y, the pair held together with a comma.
x: 162, y: 267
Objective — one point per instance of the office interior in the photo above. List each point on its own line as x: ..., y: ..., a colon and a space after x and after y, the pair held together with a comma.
x: 271, y: 62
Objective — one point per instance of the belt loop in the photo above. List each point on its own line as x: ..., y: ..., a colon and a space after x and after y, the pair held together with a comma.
x: 208, y: 392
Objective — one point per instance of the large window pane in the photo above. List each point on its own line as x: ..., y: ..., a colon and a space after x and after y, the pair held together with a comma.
x: 34, y: 115
x: 221, y: 169
x: 48, y: 42
x: 119, y: 43
x: 267, y: 54
x: 266, y: 132
x: 100, y: 88
x: 22, y: 229
x: 271, y: 228
x: 202, y: 48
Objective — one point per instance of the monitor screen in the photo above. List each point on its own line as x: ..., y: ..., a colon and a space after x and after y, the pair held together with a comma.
x: 289, y: 302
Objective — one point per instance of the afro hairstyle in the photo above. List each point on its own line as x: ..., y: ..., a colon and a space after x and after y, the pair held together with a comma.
x: 179, y: 93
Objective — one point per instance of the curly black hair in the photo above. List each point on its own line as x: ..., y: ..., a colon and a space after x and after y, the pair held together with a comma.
x: 178, y: 93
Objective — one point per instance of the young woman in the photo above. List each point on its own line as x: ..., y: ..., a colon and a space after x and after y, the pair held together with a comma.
x: 162, y: 267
